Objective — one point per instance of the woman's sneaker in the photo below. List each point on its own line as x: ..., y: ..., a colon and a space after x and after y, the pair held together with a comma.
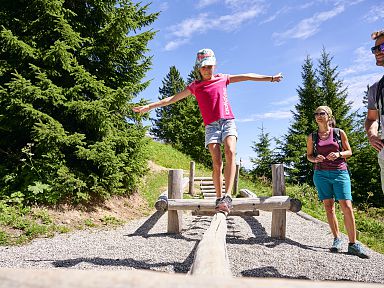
x: 336, y: 246
x: 358, y: 250
x: 224, y: 204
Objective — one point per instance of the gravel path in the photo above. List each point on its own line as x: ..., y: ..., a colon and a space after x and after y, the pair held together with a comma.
x: 143, y: 244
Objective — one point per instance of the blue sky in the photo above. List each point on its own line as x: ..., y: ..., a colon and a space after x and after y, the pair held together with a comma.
x: 266, y: 37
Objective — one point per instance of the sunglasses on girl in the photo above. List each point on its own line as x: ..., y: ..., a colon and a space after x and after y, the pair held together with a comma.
x: 319, y: 114
x: 378, y: 48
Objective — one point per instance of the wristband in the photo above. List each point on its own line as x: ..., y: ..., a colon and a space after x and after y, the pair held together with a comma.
x: 272, y: 79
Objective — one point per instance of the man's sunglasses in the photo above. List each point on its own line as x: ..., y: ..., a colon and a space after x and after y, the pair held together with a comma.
x: 378, y: 48
x: 319, y: 114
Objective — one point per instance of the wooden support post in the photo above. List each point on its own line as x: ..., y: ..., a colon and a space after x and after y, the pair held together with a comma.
x: 175, y: 191
x: 279, y: 221
x: 236, y: 181
x: 211, y: 256
x: 191, y: 178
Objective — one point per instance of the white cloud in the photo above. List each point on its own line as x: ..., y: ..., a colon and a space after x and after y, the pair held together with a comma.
x: 375, y: 13
x: 357, y: 86
x: 172, y: 45
x: 205, y: 3
x: 364, y: 61
x: 272, y: 115
x: 242, y: 11
x: 286, y: 101
x: 308, y: 27
x: 164, y: 6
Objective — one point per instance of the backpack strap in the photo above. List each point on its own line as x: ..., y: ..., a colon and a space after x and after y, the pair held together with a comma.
x: 315, y: 140
x: 337, y: 138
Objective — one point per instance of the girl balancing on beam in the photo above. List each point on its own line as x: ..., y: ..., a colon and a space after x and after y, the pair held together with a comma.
x: 210, y: 91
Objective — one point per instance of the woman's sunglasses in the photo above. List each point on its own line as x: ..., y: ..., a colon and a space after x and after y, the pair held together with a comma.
x: 319, y: 114
x: 378, y: 48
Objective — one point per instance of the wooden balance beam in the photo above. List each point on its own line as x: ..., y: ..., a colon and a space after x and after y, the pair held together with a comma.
x: 239, y: 204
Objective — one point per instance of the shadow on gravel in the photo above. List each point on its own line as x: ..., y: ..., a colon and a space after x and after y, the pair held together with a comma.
x: 269, y: 272
x: 178, y: 267
x: 147, y: 225
x: 262, y: 238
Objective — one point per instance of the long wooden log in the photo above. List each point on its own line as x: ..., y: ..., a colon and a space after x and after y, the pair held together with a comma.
x: 232, y: 213
x: 211, y: 256
x: 247, y: 193
x: 69, y: 278
x: 239, y: 204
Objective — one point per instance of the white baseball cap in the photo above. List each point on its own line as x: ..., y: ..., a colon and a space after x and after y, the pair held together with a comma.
x: 205, y: 57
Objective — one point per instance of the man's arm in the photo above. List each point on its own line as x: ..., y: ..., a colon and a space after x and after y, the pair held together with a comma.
x: 371, y: 127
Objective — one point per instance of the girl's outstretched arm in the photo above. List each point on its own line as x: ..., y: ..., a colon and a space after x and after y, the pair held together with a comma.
x: 164, y: 102
x: 255, y: 77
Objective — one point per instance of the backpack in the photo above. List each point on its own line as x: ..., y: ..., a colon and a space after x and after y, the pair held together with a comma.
x: 336, y: 138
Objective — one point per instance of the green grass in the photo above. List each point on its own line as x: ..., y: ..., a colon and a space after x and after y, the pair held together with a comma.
x: 30, y: 223
x: 369, y: 221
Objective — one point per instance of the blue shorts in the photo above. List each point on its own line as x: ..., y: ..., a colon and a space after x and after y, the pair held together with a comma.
x: 333, y: 184
x: 217, y: 131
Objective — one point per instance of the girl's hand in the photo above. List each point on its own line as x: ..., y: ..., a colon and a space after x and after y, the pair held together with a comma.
x: 333, y: 156
x: 141, y: 109
x: 277, y: 77
x: 319, y: 158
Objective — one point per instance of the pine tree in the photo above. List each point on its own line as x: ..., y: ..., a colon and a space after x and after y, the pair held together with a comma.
x: 321, y: 87
x: 332, y: 92
x: 294, y: 142
x: 180, y: 124
x: 68, y: 71
x: 264, y: 159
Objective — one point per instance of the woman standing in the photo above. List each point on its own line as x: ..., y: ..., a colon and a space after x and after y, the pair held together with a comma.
x: 331, y: 177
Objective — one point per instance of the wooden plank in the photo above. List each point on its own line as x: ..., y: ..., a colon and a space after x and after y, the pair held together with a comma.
x: 69, y: 278
x: 209, y: 183
x: 232, y: 213
x: 247, y: 193
x: 211, y: 257
x: 202, y: 178
x: 239, y: 204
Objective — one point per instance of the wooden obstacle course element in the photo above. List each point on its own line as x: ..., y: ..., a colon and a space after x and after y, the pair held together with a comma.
x: 279, y: 217
x: 69, y: 278
x: 239, y: 204
x: 175, y: 191
x: 204, y: 180
x: 211, y: 257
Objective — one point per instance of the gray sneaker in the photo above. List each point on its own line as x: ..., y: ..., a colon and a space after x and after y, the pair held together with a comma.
x: 336, y: 246
x: 224, y: 204
x: 358, y: 250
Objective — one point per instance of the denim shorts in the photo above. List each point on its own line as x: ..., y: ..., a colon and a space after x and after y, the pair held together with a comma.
x: 333, y: 184
x: 217, y: 131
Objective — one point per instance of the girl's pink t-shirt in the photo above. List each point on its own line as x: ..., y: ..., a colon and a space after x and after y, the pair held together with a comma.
x: 211, y: 95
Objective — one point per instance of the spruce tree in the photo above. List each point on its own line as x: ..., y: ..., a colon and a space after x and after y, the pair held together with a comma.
x: 332, y: 92
x: 294, y: 143
x: 68, y: 71
x: 264, y: 157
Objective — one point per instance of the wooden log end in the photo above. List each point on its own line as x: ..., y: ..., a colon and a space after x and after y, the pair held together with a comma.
x: 162, y: 204
x: 295, y: 205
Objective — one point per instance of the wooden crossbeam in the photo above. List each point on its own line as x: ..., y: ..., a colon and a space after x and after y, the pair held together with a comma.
x: 239, y: 204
